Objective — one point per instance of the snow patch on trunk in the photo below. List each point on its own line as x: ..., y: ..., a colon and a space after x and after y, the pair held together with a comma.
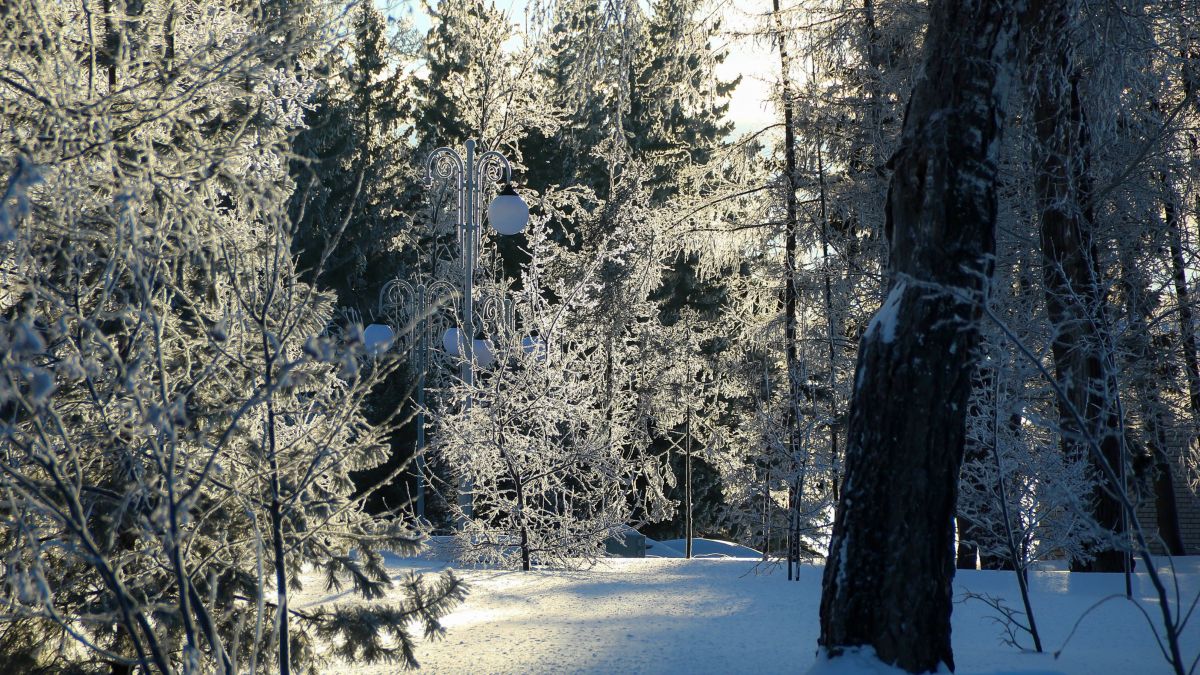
x: 887, y: 316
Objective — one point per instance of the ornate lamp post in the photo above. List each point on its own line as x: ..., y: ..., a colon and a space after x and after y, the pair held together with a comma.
x: 507, y: 214
x: 412, y: 308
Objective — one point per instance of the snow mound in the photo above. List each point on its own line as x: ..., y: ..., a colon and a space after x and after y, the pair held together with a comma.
x: 660, y: 549
x: 856, y: 661
x: 864, y: 661
x: 704, y: 548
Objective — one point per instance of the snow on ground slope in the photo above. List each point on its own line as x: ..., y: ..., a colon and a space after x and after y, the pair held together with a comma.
x: 736, y: 616
x: 701, y: 548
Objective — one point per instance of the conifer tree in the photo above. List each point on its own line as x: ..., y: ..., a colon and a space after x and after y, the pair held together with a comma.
x: 354, y: 170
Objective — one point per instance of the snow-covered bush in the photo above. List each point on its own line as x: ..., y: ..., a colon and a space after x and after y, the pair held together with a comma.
x: 555, y: 461
x: 1015, y: 461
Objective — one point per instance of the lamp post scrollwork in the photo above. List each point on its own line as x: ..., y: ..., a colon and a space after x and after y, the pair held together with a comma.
x: 468, y: 176
x: 413, y: 308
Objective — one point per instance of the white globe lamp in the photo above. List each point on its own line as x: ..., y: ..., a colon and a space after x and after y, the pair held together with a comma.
x: 452, y: 342
x: 508, y: 213
x: 377, y: 338
x: 482, y: 351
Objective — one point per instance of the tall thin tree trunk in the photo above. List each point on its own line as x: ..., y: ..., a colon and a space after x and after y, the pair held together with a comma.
x: 967, y: 555
x: 766, y: 517
x: 789, y: 290
x: 1015, y: 556
x: 276, y: 509
x: 1075, y: 302
x: 1145, y: 383
x: 868, y: 159
x: 1187, y: 327
x: 834, y: 424
x: 687, y: 488
x: 887, y: 581
x: 522, y: 518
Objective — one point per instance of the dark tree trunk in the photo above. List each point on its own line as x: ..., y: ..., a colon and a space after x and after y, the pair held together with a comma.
x: 522, y: 518
x: 1144, y: 380
x: 835, y: 478
x: 687, y: 485
x: 1187, y: 330
x: 1075, y: 303
x: 276, y: 508
x: 888, y: 577
x: 789, y: 292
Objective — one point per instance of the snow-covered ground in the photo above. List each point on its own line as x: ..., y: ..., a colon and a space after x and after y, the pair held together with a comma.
x: 701, y: 548
x: 728, y: 615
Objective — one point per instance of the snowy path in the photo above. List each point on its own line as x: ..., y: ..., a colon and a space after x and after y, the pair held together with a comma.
x: 719, y: 616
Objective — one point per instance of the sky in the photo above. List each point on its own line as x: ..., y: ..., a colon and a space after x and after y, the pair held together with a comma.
x: 750, y: 108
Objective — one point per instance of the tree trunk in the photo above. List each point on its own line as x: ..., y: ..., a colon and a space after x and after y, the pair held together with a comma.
x: 834, y: 425
x: 276, y: 509
x: 1145, y: 377
x: 967, y: 557
x: 521, y: 516
x: 888, y: 578
x: 789, y: 293
x: 1187, y: 329
x: 687, y: 486
x: 1075, y: 303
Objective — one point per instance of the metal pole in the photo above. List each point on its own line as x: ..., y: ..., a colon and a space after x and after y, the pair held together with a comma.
x: 466, y: 178
x: 407, y: 306
x: 470, y: 230
x: 422, y: 365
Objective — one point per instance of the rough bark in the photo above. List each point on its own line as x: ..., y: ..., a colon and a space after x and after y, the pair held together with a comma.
x: 1075, y: 302
x: 888, y: 577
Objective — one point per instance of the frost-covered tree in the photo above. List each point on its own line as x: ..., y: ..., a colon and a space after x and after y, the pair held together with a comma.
x: 475, y: 86
x: 1021, y: 499
x: 552, y: 456
x: 177, y: 422
x: 645, y: 130
x: 353, y: 165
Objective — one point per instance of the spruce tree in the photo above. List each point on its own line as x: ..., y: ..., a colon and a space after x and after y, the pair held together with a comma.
x: 354, y: 168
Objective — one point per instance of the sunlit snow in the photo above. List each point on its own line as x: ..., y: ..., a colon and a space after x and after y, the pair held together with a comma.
x: 738, y: 615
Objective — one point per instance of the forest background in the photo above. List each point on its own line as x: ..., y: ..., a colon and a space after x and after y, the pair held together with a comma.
x: 206, y: 202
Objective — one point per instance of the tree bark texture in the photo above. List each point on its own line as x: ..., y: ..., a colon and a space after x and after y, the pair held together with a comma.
x: 888, y: 577
x: 1075, y: 302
